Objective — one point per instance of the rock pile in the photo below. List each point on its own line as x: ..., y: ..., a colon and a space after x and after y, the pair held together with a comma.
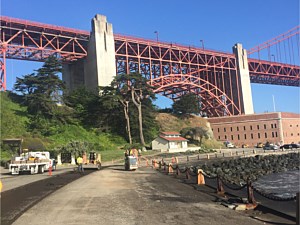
x: 238, y: 171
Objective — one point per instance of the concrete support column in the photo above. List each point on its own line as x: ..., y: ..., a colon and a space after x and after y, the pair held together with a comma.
x: 59, y: 159
x: 244, y: 78
x: 73, y: 74
x: 73, y: 159
x: 100, y: 66
x: 280, y: 128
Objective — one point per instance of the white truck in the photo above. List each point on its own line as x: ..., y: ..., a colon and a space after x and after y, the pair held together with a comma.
x: 33, y: 162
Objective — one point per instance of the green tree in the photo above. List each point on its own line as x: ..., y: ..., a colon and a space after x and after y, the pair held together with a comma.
x: 114, y: 96
x: 136, y: 86
x: 187, y: 104
x: 86, y: 106
x: 197, y: 133
x: 41, y: 92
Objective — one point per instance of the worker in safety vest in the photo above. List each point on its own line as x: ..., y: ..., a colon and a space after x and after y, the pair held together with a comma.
x: 79, y: 163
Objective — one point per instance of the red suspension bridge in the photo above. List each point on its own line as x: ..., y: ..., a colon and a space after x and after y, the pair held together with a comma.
x: 172, y: 68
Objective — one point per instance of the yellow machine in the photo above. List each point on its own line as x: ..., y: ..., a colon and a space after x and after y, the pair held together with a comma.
x: 91, y: 160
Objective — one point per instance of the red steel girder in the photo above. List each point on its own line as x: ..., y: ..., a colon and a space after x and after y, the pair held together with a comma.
x: 2, y: 69
x: 274, y: 73
x: 214, y: 100
x: 211, y: 74
x: 36, y: 41
x: 174, y: 70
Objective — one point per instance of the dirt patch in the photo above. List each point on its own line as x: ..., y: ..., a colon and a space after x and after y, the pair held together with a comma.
x: 169, y: 122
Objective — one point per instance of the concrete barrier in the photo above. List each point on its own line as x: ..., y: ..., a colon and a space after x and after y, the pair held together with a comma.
x: 170, y: 168
x: 200, y: 180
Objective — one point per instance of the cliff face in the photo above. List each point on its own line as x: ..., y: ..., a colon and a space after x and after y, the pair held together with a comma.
x: 169, y: 122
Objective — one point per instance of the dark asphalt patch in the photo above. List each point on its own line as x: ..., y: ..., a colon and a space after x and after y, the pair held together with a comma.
x: 16, y: 201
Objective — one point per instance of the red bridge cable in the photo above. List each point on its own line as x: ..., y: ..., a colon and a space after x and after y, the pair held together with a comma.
x: 273, y: 41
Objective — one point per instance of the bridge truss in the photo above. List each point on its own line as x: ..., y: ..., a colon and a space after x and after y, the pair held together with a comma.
x: 171, y: 68
x: 175, y: 70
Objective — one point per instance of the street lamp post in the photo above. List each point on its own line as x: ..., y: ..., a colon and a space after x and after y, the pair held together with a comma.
x: 273, y: 57
x: 202, y: 44
x: 156, y: 32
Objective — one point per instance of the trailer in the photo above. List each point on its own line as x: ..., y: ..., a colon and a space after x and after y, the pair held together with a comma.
x: 32, y: 162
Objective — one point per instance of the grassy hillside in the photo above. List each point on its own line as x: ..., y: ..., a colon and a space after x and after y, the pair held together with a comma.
x: 169, y: 122
x: 14, y: 120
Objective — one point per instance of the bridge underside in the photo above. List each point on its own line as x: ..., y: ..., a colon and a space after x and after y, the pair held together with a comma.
x: 172, y: 69
x: 175, y: 71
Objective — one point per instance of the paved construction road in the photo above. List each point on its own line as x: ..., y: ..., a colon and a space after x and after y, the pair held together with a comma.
x: 114, y: 196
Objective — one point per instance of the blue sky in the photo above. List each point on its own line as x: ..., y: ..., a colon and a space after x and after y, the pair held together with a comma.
x: 220, y: 24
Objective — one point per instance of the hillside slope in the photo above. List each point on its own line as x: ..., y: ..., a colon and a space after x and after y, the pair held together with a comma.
x: 13, y: 117
x: 169, y: 122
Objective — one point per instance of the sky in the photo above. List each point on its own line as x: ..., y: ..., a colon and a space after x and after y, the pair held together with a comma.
x: 219, y: 24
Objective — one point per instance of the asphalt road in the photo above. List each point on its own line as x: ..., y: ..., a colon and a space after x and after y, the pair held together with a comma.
x: 114, y: 196
x: 145, y: 195
x: 14, y: 181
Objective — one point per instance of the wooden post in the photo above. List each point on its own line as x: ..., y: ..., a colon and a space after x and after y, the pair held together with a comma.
x: 187, y: 175
x: 207, y: 156
x: 298, y: 208
x: 220, y: 189
x: 201, y: 179
x: 251, y: 199
x: 178, y: 172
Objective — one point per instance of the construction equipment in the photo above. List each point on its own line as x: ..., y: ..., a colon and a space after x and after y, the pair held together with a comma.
x: 91, y: 160
x: 131, y: 163
x: 33, y: 162
x: 131, y: 159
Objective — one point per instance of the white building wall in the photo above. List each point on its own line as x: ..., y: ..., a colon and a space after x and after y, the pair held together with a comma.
x: 160, y: 144
x: 172, y: 144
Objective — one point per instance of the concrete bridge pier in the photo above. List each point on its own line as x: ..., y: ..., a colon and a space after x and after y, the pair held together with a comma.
x: 99, y: 67
x: 244, y: 79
